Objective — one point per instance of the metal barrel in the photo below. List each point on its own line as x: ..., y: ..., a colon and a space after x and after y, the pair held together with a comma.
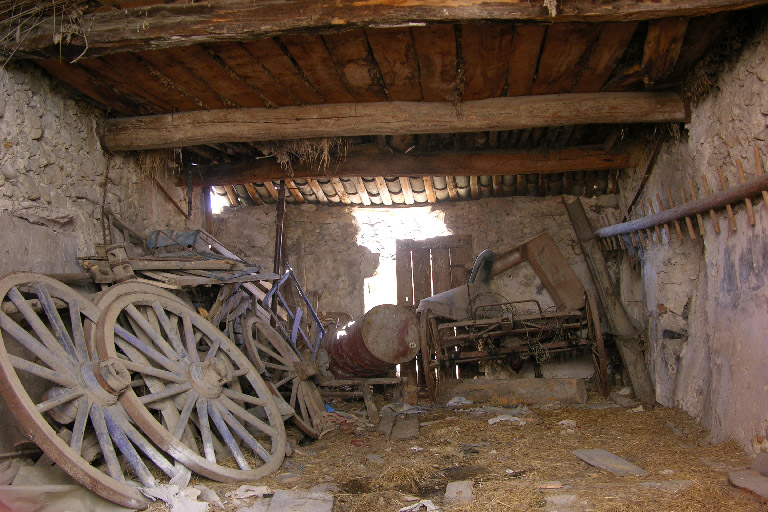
x: 372, y: 344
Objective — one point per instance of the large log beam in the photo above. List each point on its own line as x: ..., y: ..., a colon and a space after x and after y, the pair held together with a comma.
x: 166, y: 25
x: 387, y: 118
x: 417, y: 165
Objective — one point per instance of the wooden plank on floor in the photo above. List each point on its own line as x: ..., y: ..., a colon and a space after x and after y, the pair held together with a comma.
x: 566, y: 47
x: 608, y: 461
x: 381, y: 183
x: 312, y: 56
x: 662, y: 48
x: 395, y: 56
x: 610, y: 46
x: 354, y: 65
x: 483, y: 55
x: 273, y: 59
x: 436, y: 52
x: 524, y: 58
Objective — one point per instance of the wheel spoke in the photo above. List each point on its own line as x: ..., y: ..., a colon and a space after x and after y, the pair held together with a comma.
x: 169, y: 329
x: 243, y: 433
x: 294, y: 391
x: 143, y: 444
x: 150, y: 331
x: 107, y: 449
x: 64, y: 398
x: 129, y: 452
x: 277, y: 367
x: 172, y: 366
x: 205, y: 429
x: 246, y: 416
x: 302, y: 399
x: 38, y: 326
x: 166, y: 393
x: 212, y: 351
x: 284, y: 380
x: 41, y: 371
x: 154, y: 372
x: 226, y: 435
x: 76, y: 321
x: 62, y: 336
x: 178, y: 430
x: 34, y: 345
x: 78, y: 430
x: 266, y: 350
x: 189, y: 338
x: 234, y: 395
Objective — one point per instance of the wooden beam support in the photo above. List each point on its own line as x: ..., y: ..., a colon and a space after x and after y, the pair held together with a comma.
x: 382, y: 118
x: 294, y: 190
x: 253, y: 193
x: 429, y: 187
x: 405, y: 184
x: 393, y: 165
x: 315, y: 186
x: 168, y: 25
x: 361, y: 191
x: 339, y: 186
x: 453, y: 193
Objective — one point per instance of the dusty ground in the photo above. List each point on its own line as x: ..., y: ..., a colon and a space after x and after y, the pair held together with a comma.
x: 509, y: 464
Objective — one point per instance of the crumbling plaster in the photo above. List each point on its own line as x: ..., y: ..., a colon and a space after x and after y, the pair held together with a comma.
x: 705, y: 299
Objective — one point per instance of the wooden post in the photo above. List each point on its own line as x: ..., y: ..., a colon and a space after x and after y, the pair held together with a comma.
x: 278, y: 260
x: 627, y: 338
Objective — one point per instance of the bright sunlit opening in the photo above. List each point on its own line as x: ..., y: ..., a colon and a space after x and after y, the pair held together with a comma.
x: 380, y: 228
x: 218, y: 202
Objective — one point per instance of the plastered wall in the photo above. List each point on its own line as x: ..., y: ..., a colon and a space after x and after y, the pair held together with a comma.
x: 705, y: 301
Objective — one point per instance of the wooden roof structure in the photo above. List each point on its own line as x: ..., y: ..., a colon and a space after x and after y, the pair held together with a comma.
x: 428, y: 101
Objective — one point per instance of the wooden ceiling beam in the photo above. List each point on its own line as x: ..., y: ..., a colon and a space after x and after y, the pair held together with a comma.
x: 386, y: 118
x: 449, y: 163
x: 181, y: 24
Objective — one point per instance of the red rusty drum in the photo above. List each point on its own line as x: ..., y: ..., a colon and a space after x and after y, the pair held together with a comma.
x: 372, y: 344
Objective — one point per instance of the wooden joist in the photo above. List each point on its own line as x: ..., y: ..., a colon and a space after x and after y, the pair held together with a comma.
x: 384, y: 118
x: 169, y: 25
x: 418, y: 165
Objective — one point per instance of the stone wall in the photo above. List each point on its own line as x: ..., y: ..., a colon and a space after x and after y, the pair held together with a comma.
x: 53, y: 174
x: 705, y: 299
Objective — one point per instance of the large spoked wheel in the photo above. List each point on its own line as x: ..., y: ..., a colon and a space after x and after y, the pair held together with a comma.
x: 64, y: 397
x: 191, y: 382
x: 286, y: 372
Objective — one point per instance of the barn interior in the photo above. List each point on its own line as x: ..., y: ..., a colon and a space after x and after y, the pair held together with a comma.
x: 395, y: 255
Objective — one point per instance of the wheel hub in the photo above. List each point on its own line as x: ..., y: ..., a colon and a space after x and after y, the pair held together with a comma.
x: 104, y: 380
x: 208, y: 377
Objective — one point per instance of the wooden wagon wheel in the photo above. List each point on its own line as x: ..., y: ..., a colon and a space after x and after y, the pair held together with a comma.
x: 427, y: 366
x: 63, y: 396
x: 188, y: 366
x: 286, y: 371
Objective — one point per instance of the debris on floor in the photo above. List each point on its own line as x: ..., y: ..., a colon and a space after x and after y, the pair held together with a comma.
x: 609, y: 462
x: 750, y: 480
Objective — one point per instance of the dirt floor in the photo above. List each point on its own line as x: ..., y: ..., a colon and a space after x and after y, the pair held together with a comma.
x: 512, y: 465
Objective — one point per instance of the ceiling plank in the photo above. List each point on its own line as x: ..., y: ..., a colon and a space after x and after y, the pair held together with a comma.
x: 524, y: 58
x: 611, y: 44
x: 473, y: 187
x: 354, y: 64
x: 436, y: 52
x: 452, y: 192
x: 447, y: 163
x: 242, y: 63
x: 565, y: 48
x: 312, y: 56
x: 662, y: 48
x: 123, y: 82
x: 396, y: 58
x: 232, y: 195
x: 315, y: 186
x: 253, y: 193
x: 383, y: 191
x: 180, y: 24
x: 361, y: 191
x: 497, y: 192
x: 405, y: 184
x: 248, y: 125
x: 429, y: 187
x: 282, y: 69
x: 484, y: 77
x: 294, y: 191
x: 271, y: 189
x: 342, y: 193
